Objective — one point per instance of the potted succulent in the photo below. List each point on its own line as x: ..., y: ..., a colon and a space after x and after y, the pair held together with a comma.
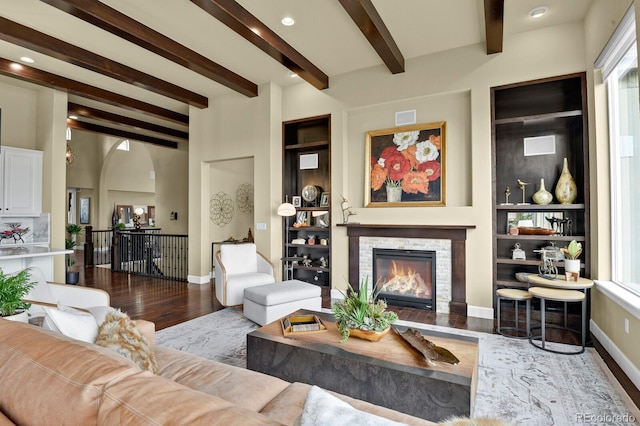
x: 73, y: 231
x: 572, y: 253
x: 359, y: 314
x: 13, y: 288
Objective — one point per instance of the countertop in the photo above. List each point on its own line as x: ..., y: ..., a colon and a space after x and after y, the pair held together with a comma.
x: 16, y: 252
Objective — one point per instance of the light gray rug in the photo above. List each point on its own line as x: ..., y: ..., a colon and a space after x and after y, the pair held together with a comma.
x: 516, y: 382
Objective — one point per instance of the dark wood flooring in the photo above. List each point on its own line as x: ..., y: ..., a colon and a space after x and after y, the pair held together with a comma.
x: 168, y: 303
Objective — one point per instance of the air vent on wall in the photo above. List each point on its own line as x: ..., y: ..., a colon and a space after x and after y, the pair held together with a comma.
x: 405, y: 117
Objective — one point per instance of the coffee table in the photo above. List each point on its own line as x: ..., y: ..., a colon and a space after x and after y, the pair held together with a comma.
x: 387, y: 373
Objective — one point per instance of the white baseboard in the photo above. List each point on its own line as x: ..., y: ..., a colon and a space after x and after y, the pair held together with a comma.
x: 196, y: 279
x: 479, y: 312
x: 615, y: 352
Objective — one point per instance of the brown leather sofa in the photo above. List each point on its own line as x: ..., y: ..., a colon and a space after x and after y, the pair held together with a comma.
x: 47, y: 378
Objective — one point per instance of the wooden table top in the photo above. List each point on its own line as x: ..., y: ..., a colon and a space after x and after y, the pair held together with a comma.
x: 560, y: 282
x: 392, y: 348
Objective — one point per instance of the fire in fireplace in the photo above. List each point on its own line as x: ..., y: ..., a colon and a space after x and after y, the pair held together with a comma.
x: 405, y: 277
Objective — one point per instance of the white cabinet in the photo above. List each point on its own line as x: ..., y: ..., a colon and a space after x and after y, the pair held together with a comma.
x: 20, y: 182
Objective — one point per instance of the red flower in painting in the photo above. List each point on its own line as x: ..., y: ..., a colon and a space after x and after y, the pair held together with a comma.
x: 397, y: 166
x: 415, y: 182
x: 378, y: 176
x: 431, y: 168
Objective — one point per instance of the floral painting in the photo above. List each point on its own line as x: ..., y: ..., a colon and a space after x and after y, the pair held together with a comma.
x: 406, y: 166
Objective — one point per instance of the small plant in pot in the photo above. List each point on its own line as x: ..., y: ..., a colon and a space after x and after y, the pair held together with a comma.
x: 13, y: 288
x: 572, y: 253
x: 359, y: 314
x: 73, y: 231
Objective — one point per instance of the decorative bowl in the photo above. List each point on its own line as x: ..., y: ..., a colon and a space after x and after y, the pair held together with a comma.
x: 372, y: 336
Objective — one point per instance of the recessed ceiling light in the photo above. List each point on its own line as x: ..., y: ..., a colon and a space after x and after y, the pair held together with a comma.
x: 73, y: 117
x: 538, y: 11
x: 292, y: 74
x: 288, y: 21
x: 27, y: 59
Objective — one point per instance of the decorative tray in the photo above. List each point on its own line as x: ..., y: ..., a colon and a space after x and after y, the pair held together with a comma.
x: 301, y: 324
x: 535, y: 231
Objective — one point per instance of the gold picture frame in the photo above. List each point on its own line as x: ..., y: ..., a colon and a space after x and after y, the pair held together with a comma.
x: 405, y: 166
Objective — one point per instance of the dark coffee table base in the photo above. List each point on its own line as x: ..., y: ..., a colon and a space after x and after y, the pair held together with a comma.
x: 426, y: 393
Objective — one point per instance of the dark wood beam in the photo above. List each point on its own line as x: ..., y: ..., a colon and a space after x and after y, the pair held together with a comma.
x: 109, y: 19
x: 53, y: 81
x: 366, y: 17
x: 230, y: 13
x: 494, y: 25
x: 26, y: 37
x: 89, y: 127
x: 98, y: 114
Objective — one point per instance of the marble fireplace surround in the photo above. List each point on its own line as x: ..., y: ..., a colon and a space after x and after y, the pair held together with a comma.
x: 456, y: 234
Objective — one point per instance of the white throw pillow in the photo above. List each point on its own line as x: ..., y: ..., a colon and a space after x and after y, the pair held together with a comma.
x: 324, y: 409
x: 72, y: 323
x: 100, y: 313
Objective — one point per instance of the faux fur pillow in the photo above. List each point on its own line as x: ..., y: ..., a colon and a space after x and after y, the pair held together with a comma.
x: 119, y: 333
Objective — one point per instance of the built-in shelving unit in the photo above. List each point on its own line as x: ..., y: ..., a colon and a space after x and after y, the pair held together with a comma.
x: 554, y: 106
x: 310, y: 137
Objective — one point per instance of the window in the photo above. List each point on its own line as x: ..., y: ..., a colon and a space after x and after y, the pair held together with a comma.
x: 124, y: 145
x: 619, y: 61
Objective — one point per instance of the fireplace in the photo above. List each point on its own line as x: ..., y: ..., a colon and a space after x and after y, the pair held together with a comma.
x: 405, y: 277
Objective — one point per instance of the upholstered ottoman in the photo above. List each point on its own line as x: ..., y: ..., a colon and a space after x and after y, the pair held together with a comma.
x: 266, y: 303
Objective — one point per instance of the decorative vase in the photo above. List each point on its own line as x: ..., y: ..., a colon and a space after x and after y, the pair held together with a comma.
x: 542, y: 197
x: 566, y: 190
x: 114, y: 216
x: 20, y: 317
x: 370, y: 335
x: 394, y: 194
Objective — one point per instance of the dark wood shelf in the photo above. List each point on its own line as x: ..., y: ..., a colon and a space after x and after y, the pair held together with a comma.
x: 307, y: 145
x: 305, y: 136
x: 579, y: 238
x: 538, y: 207
x: 550, y: 106
x: 539, y: 117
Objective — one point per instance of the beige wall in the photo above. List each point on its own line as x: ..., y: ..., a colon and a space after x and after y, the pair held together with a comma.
x: 226, y: 176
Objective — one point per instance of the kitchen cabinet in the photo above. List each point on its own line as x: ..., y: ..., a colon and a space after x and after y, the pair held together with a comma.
x: 20, y: 182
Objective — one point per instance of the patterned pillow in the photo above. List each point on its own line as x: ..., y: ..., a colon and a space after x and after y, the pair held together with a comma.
x: 120, y: 334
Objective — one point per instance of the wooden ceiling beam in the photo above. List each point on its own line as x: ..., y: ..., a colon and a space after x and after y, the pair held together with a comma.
x: 121, y: 25
x: 53, y: 81
x: 367, y: 19
x: 494, y: 25
x: 79, y: 125
x: 234, y: 16
x: 29, y: 38
x: 98, y: 114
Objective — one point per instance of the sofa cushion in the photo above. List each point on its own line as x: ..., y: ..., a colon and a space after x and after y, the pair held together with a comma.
x: 244, y: 388
x: 4, y: 420
x: 287, y: 407
x: 324, y: 409
x: 239, y: 258
x: 72, y: 323
x: 120, y: 334
x: 147, y: 399
x: 48, y: 378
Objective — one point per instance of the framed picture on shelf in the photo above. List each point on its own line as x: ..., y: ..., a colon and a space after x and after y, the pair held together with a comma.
x: 301, y: 217
x: 324, y: 199
x: 296, y: 200
x: 405, y: 166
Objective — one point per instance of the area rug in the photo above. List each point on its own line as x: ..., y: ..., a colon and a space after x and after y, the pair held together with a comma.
x: 516, y: 382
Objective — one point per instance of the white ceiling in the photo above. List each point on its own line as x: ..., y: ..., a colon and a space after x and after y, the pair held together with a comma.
x: 324, y: 33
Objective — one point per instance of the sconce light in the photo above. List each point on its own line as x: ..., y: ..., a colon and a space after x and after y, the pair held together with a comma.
x: 69, y: 156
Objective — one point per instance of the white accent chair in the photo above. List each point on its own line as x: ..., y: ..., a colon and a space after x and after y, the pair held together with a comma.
x: 239, y: 266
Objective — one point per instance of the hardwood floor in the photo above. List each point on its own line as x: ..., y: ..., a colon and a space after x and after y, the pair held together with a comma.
x: 168, y: 303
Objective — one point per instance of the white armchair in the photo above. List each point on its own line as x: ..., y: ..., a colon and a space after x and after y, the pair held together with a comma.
x: 239, y: 266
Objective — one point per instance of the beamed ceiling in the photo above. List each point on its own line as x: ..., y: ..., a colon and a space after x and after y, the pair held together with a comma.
x: 133, y: 68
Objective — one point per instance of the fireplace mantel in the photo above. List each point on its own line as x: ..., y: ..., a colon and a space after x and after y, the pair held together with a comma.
x: 456, y: 233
